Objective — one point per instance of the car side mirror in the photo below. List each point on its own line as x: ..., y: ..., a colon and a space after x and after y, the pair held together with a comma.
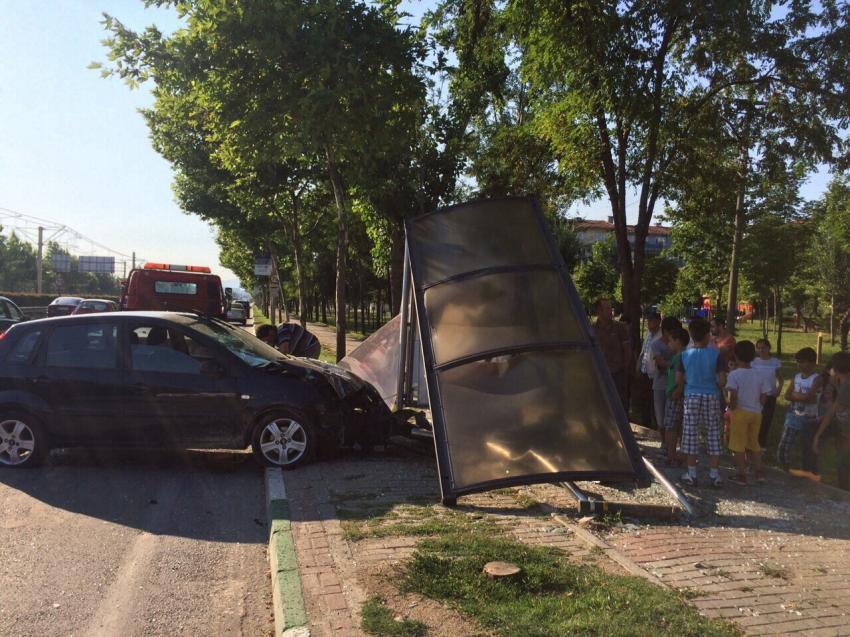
x: 212, y: 369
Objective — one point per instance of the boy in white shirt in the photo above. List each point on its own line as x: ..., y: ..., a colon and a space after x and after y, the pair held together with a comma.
x: 746, y: 394
x: 770, y: 368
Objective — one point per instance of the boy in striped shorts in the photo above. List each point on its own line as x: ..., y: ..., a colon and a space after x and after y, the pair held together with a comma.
x: 703, y: 371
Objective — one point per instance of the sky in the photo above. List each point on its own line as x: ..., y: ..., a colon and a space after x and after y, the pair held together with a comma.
x: 74, y: 149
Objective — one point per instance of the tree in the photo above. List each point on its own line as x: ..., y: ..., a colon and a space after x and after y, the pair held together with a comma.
x: 275, y: 82
x: 619, y: 85
x: 598, y: 276
x: 831, y: 250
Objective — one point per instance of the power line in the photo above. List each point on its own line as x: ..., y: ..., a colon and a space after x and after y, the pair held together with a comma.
x: 57, y: 229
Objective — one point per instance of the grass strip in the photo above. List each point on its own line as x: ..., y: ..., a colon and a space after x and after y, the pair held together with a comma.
x: 378, y: 620
x: 552, y: 596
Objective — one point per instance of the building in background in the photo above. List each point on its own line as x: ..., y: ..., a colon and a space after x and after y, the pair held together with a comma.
x: 590, y: 232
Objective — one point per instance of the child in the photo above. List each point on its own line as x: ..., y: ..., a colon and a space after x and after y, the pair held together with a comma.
x: 678, y: 342
x: 747, y: 392
x: 770, y: 369
x: 662, y: 356
x: 839, y: 415
x: 703, y: 371
x: 802, y: 414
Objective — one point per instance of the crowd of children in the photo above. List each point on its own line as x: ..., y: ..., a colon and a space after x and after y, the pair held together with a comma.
x: 707, y: 379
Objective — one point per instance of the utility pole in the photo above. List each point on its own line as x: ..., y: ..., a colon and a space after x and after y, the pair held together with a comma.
x: 38, y: 265
x: 134, y: 261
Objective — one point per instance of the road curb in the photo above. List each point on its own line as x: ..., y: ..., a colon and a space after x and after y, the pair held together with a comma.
x: 290, y: 618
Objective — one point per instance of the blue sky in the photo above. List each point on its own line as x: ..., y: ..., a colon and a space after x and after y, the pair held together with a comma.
x: 74, y: 149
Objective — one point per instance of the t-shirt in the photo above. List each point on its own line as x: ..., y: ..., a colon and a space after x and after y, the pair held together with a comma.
x: 301, y: 342
x: 660, y: 348
x: 767, y: 369
x: 613, y: 339
x: 749, y: 385
x: 701, y: 366
x: 804, y: 386
x: 726, y: 345
x: 671, y: 374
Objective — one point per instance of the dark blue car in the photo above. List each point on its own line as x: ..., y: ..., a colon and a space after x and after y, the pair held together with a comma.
x: 163, y: 379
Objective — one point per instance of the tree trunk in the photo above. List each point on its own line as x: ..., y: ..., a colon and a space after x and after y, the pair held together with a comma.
x: 832, y: 319
x: 844, y: 328
x: 297, y: 254
x: 324, y: 310
x: 341, y: 249
x: 740, y: 222
x: 764, y: 303
x: 378, y: 307
x: 779, y: 319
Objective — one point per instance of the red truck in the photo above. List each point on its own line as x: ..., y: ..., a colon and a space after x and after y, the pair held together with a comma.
x: 175, y: 288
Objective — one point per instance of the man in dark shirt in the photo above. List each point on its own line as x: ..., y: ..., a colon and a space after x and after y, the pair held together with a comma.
x: 614, y: 341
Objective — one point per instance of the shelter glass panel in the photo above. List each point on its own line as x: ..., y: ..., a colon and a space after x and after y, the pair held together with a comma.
x: 528, y: 414
x: 474, y: 237
x: 498, y: 311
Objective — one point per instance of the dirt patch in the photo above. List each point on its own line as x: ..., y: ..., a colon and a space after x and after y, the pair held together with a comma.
x: 441, y: 621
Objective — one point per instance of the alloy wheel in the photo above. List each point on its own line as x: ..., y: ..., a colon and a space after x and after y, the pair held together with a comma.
x: 283, y: 441
x: 17, y: 442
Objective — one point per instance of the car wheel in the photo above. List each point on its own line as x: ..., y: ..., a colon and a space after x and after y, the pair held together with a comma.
x: 23, y: 443
x: 283, y: 439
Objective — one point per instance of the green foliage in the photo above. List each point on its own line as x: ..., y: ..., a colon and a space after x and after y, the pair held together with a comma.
x: 378, y: 620
x: 551, y: 596
x: 598, y: 276
x: 659, y: 279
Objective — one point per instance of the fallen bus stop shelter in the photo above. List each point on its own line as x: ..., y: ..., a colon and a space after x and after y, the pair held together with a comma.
x: 492, y: 339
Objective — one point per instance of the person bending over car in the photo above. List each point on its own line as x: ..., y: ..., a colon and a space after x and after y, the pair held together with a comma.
x: 291, y: 338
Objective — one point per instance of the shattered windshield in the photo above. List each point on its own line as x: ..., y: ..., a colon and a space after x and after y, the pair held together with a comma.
x: 247, y: 347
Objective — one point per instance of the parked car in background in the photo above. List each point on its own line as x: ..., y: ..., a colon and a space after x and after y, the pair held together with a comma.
x: 165, y: 379
x: 63, y: 305
x: 9, y: 314
x: 93, y: 306
x: 238, y: 312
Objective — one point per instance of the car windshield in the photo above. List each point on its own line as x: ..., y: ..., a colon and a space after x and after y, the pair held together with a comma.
x: 247, y: 347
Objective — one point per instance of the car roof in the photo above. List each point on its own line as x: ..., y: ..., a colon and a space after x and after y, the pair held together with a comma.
x: 183, y: 318
x: 64, y: 299
x: 97, y: 301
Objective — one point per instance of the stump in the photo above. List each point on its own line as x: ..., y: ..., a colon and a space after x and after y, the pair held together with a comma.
x: 496, y: 570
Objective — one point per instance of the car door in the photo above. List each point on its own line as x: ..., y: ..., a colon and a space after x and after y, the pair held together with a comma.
x: 182, y: 388
x: 78, y: 375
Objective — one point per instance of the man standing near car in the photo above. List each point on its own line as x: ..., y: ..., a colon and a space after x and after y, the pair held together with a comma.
x: 616, y: 345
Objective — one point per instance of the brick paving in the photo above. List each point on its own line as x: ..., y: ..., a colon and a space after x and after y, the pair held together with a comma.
x: 334, y: 571
x: 774, y: 559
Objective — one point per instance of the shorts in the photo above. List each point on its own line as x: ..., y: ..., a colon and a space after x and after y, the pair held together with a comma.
x: 744, y: 431
x: 705, y: 410
x: 673, y: 413
x: 796, y: 422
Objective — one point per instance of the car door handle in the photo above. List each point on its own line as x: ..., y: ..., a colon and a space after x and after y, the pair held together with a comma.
x: 141, y: 388
x: 39, y: 380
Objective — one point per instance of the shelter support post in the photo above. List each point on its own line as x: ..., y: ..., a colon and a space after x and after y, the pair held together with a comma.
x: 404, y: 331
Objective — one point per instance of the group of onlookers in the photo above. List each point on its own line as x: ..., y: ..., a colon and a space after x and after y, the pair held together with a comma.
x: 704, y: 386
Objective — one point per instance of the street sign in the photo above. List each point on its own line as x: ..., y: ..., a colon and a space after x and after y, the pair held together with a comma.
x: 99, y: 265
x: 262, y: 266
x: 61, y: 262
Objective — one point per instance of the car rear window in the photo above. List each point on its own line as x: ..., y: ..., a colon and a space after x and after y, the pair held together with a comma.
x: 23, y: 350
x: 66, y: 300
x: 175, y: 287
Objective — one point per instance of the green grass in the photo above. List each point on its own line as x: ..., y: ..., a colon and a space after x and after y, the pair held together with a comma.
x: 552, y: 596
x: 792, y: 342
x: 378, y: 620
x: 773, y: 570
x: 408, y: 520
x: 259, y: 317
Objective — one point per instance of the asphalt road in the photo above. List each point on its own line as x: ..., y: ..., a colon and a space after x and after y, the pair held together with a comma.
x: 134, y: 543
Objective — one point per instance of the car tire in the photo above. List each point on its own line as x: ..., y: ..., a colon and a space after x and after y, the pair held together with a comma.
x: 284, y: 439
x: 22, y: 432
